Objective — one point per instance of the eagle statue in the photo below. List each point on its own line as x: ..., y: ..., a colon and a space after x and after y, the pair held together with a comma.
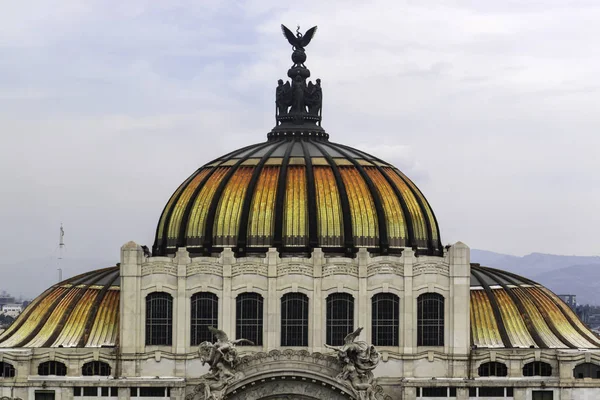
x: 299, y: 41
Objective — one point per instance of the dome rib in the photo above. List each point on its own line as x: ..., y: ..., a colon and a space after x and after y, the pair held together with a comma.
x: 212, y: 209
x: 313, y: 234
x: 89, y: 323
x: 242, y: 236
x: 384, y: 243
x: 524, y: 314
x: 347, y: 217
x: 280, y: 196
x: 495, y: 308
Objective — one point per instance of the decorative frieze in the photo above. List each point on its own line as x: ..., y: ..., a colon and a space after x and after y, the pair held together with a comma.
x: 249, y: 268
x: 340, y: 269
x: 294, y: 268
x: 159, y: 268
x: 385, y: 268
x: 431, y: 268
x: 205, y: 268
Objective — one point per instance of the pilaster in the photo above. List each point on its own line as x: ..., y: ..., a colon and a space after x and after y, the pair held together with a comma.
x: 318, y: 330
x: 460, y: 276
x: 273, y: 318
x: 132, y: 257
x: 228, y: 312
x: 363, y: 296
x: 182, y: 258
x: 408, y: 322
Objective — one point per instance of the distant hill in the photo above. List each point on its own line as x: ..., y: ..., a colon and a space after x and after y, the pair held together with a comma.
x: 579, y: 275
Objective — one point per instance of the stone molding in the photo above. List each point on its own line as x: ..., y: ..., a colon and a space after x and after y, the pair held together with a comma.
x: 385, y: 268
x: 205, y: 268
x: 340, y: 269
x: 250, y: 268
x: 159, y: 268
x: 294, y: 268
x: 431, y: 268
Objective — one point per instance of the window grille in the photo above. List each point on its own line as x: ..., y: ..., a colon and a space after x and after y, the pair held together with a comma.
x: 294, y: 319
x: 6, y: 370
x: 249, y: 318
x: 52, y: 368
x: 95, y: 368
x: 537, y: 368
x: 493, y: 369
x: 159, y: 319
x: 491, y: 391
x: 205, y: 313
x: 340, y: 318
x: 586, y: 370
x: 430, y: 323
x: 385, y: 316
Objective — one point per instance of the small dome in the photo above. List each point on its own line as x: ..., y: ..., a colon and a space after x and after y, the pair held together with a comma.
x: 508, y: 310
x: 82, y: 311
x: 295, y: 193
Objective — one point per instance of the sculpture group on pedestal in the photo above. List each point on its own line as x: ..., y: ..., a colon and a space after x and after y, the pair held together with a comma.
x: 222, y: 358
x: 358, y: 360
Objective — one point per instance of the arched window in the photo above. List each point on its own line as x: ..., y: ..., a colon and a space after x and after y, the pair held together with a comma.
x: 7, y: 370
x: 430, y: 320
x: 205, y: 313
x: 493, y: 369
x: 587, y: 370
x: 95, y: 368
x: 249, y: 318
x: 384, y: 319
x: 340, y: 318
x: 537, y: 368
x: 294, y: 319
x: 159, y: 319
x: 52, y: 368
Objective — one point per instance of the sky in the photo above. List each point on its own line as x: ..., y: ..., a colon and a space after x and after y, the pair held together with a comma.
x: 107, y: 106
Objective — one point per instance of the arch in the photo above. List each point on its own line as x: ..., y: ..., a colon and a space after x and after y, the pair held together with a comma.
x: 537, y: 368
x: 294, y: 374
x: 7, y: 370
x: 430, y: 319
x: 204, y: 313
x: 493, y: 368
x: 340, y: 318
x: 586, y: 370
x: 385, y: 315
x: 249, y: 317
x: 294, y: 319
x: 159, y: 319
x: 96, y: 368
x: 52, y: 368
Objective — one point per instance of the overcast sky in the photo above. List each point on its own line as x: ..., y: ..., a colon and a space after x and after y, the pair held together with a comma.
x: 491, y: 107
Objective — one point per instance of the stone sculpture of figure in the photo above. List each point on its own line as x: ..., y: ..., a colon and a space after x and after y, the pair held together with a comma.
x: 283, y: 97
x: 222, y: 358
x: 358, y: 360
x: 314, y: 97
x: 298, y: 88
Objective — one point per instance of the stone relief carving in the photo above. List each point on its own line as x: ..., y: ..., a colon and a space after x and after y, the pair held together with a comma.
x: 205, y: 268
x: 358, y: 360
x: 222, y: 358
x: 443, y: 269
x: 159, y: 268
x: 300, y: 269
x: 249, y: 268
x: 385, y: 268
x: 340, y: 269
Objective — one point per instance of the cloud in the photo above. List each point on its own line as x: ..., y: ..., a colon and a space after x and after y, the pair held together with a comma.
x: 490, y: 107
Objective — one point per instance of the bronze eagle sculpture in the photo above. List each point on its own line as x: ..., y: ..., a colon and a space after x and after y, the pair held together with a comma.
x: 299, y: 41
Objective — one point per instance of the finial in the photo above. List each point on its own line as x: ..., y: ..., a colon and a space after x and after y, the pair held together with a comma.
x: 298, y: 103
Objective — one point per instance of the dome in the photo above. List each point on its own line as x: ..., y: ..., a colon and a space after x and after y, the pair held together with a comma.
x: 82, y: 311
x: 507, y: 311
x: 295, y: 192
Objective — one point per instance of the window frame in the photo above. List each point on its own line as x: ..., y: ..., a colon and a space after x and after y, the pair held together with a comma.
x: 99, y: 368
x: 199, y: 323
x: 53, y: 368
x: 7, y: 370
x: 494, y: 368
x: 155, y: 323
x: 539, y: 368
x: 434, y: 325
x: 294, y: 331
x: 385, y: 324
x: 333, y: 336
x: 251, y: 328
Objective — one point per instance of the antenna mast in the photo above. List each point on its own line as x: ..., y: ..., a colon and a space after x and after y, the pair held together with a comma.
x: 61, y: 246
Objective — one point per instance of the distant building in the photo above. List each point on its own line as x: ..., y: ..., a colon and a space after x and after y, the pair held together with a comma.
x: 570, y: 299
x: 12, y: 310
x: 5, y: 298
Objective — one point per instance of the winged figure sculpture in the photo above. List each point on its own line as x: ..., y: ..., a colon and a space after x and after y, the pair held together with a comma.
x: 299, y: 41
x: 223, y: 338
x: 352, y: 336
